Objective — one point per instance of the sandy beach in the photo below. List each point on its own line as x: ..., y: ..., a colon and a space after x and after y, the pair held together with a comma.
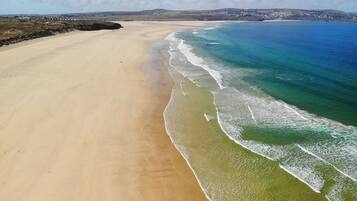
x: 81, y: 120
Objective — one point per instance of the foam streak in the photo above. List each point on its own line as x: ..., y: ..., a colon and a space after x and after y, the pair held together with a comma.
x: 323, y: 160
x: 251, y: 113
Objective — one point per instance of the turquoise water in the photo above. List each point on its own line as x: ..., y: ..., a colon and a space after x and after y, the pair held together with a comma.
x: 312, y: 65
x: 284, y: 90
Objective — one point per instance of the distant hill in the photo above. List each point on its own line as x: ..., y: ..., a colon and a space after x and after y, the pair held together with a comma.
x: 14, y: 29
x: 222, y: 14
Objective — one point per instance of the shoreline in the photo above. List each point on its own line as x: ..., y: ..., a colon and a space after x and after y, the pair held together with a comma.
x: 83, y: 135
x: 165, y: 112
x: 195, y: 99
x: 312, y: 182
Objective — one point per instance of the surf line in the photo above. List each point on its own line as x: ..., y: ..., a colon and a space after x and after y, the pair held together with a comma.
x: 323, y: 160
x: 297, y: 177
x: 251, y: 114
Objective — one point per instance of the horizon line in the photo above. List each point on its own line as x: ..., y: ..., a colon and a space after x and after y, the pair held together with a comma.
x: 133, y: 11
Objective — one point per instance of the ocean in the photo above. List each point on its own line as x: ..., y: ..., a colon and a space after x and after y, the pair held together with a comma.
x: 284, y: 95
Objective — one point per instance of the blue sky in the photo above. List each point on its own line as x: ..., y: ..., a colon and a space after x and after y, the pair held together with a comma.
x: 68, y: 6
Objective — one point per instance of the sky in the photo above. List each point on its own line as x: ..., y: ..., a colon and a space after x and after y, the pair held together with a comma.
x: 70, y: 6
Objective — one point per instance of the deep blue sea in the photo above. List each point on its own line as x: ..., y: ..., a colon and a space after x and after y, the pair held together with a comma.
x: 307, y: 64
x: 286, y: 90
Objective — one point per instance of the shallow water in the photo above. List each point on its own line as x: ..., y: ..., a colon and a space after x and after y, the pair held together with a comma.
x: 226, y: 171
x: 283, y: 90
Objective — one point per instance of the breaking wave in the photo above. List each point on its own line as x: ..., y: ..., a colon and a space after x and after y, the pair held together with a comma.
x: 311, y: 148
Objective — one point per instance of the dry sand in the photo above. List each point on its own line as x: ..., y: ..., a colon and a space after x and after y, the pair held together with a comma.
x: 80, y: 120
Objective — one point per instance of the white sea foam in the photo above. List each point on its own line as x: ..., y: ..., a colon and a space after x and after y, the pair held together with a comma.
x: 281, y: 20
x: 208, y: 117
x: 252, y: 114
x: 198, y: 61
x: 239, y: 108
x: 182, y: 90
x: 341, y: 184
x: 171, y: 36
x: 235, y: 110
x: 302, y: 175
x: 211, y: 28
x: 325, y: 161
x: 213, y: 43
x: 235, y: 135
x: 296, y: 112
x: 275, y: 153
